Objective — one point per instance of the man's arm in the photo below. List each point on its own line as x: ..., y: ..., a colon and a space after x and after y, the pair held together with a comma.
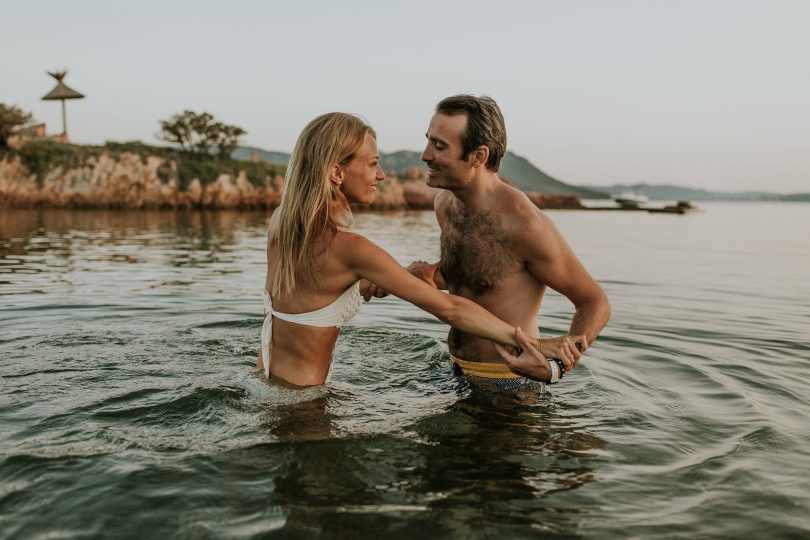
x: 369, y: 290
x: 551, y: 261
x: 530, y: 363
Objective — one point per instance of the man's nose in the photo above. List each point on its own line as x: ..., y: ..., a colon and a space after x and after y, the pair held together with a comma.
x: 427, y: 155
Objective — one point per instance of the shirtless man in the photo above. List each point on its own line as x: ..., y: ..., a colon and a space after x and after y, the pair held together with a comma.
x: 500, y: 251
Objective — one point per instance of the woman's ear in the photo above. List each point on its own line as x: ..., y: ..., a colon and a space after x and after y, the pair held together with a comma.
x: 336, y: 175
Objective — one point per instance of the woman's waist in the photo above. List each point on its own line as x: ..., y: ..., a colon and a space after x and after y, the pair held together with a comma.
x: 301, y: 355
x: 303, y: 340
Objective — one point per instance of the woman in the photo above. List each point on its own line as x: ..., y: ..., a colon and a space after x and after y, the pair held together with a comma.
x: 315, y: 264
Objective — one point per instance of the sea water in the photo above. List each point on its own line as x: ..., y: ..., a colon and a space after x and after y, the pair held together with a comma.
x: 128, y: 408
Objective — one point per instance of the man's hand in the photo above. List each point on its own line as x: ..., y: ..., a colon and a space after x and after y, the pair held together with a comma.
x: 534, y: 364
x: 369, y: 289
x: 530, y: 362
x: 428, y: 273
x: 569, y: 349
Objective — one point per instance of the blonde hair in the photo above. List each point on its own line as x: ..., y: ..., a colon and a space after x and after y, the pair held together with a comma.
x: 312, y: 206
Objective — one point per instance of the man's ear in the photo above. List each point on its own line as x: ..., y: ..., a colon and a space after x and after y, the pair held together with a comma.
x: 480, y: 156
x: 336, y: 175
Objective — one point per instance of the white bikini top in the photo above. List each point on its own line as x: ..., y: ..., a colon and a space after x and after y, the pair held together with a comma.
x: 342, y: 310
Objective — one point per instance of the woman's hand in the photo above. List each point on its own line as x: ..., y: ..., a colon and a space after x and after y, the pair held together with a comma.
x: 569, y: 349
x: 535, y: 364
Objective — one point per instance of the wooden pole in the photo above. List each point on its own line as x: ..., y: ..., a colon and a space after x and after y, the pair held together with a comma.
x: 64, y: 121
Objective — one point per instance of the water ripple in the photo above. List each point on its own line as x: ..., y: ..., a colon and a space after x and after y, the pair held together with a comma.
x: 128, y: 342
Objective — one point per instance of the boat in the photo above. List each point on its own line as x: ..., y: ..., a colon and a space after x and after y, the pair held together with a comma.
x: 630, y: 199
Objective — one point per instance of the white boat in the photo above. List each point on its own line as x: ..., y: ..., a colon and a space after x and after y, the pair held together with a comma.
x: 630, y: 198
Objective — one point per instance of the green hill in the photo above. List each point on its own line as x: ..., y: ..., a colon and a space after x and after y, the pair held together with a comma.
x: 520, y: 172
x: 527, y: 177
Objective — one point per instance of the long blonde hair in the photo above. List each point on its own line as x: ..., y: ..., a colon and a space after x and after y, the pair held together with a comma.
x: 312, y: 206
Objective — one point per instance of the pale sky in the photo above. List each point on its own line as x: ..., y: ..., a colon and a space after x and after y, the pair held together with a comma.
x: 710, y: 94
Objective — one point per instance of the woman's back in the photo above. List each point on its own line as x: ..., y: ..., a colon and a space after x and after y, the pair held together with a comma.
x: 305, y: 328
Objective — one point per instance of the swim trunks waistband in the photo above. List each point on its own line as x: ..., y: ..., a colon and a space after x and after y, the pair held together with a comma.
x: 497, y: 376
x: 487, y: 370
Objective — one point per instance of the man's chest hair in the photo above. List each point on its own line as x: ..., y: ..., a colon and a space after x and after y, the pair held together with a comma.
x: 474, y: 251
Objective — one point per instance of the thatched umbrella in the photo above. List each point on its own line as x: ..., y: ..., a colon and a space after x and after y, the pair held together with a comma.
x: 62, y: 92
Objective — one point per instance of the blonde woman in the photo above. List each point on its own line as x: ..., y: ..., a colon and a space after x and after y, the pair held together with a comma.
x: 315, y: 264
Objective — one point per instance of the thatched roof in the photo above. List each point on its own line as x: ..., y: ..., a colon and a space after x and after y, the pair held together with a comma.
x: 61, y: 90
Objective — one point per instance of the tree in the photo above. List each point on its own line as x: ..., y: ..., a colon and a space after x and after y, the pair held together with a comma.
x: 199, y: 132
x: 227, y: 139
x: 11, y: 117
x: 178, y: 130
x: 203, y: 127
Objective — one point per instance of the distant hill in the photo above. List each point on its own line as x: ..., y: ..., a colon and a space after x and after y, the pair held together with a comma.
x: 246, y: 153
x: 527, y: 177
x: 518, y: 170
x: 676, y: 193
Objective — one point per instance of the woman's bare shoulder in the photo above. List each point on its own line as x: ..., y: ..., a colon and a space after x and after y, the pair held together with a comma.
x: 356, y: 251
x: 348, y: 244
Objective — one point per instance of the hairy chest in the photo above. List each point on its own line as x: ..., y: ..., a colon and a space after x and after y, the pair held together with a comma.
x: 474, y: 252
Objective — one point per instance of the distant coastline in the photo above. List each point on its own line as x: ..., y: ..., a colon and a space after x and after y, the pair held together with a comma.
x: 134, y: 175
x: 667, y: 192
x: 524, y: 175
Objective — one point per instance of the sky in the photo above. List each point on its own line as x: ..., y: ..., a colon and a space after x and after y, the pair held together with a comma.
x: 711, y: 94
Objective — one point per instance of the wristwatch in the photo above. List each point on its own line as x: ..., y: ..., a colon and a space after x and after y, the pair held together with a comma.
x: 560, y: 365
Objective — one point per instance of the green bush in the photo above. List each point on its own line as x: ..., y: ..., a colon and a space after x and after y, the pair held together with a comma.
x: 41, y: 156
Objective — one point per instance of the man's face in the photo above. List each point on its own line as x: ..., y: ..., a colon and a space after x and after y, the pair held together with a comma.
x: 443, y: 152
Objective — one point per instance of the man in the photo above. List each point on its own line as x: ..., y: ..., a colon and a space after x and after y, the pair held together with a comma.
x: 499, y: 250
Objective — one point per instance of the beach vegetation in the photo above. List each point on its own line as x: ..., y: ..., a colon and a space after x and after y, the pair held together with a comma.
x: 43, y: 155
x: 11, y: 117
x: 200, y: 133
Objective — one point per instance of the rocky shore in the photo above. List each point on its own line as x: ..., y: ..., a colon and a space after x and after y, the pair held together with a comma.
x: 137, y: 180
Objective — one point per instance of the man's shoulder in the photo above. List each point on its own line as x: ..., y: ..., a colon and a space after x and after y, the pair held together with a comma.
x: 518, y: 212
x: 441, y: 205
x: 442, y: 199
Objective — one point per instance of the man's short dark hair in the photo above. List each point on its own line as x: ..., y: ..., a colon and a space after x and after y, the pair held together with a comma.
x: 485, y: 125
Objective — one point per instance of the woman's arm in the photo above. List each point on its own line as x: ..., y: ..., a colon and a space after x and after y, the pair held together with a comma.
x: 373, y: 263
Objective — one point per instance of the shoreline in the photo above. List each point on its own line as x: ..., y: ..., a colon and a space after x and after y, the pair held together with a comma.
x: 133, y: 176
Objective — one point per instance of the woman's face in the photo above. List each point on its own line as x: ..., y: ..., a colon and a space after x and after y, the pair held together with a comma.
x: 361, y: 175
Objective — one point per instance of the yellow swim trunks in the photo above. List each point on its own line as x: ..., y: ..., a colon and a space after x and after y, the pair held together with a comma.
x: 494, y: 374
